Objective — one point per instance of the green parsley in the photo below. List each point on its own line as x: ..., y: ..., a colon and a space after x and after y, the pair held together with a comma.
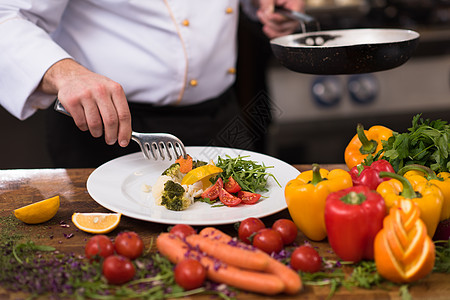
x: 442, y: 262
x: 426, y: 143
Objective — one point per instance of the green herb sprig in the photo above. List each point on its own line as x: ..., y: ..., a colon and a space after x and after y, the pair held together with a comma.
x: 442, y: 262
x: 250, y: 175
x: 426, y: 143
x: 364, y: 275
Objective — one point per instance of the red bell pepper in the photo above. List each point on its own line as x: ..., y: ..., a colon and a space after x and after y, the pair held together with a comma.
x: 369, y: 174
x: 353, y: 217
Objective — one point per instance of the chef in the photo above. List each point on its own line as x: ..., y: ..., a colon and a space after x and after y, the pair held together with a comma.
x: 168, y: 64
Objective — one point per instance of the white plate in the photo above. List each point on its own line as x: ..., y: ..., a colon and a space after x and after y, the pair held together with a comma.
x: 117, y: 185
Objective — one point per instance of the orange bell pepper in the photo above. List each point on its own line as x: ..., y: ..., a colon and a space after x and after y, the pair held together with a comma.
x: 403, y: 250
x: 365, y: 142
x: 306, y: 196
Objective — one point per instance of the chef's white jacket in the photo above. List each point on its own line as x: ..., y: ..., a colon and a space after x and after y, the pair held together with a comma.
x: 166, y: 52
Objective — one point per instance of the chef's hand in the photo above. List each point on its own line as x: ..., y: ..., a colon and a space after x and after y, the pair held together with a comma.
x: 275, y: 25
x: 96, y: 103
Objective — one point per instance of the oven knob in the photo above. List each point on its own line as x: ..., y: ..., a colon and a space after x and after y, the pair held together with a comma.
x: 363, y: 88
x: 326, y: 90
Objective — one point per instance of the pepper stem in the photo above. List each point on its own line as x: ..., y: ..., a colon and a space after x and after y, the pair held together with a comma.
x: 429, y: 174
x: 353, y: 198
x: 368, y: 146
x: 408, y: 191
x: 316, y: 174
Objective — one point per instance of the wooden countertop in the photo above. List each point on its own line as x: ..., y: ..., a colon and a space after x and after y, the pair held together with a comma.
x: 25, y: 186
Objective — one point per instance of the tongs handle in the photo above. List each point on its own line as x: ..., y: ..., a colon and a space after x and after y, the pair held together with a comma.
x: 60, y: 108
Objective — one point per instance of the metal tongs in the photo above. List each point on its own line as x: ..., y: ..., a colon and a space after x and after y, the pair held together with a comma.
x: 153, y: 145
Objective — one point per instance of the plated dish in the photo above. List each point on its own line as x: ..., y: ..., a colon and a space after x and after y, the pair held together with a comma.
x: 118, y: 186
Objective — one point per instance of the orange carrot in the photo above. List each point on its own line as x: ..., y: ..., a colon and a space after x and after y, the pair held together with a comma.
x: 215, y: 234
x: 290, y: 278
x: 172, y: 247
x: 185, y: 163
x: 232, y: 254
x: 252, y: 281
x: 176, y: 250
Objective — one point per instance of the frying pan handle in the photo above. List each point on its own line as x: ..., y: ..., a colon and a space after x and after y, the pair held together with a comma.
x: 294, y: 15
x: 297, y: 16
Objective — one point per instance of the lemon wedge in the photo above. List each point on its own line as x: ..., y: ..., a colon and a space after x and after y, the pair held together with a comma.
x: 203, y: 173
x: 97, y: 223
x: 38, y: 212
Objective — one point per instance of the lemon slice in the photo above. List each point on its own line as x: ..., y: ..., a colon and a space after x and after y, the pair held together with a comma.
x: 96, y: 222
x: 202, y: 173
x: 38, y: 212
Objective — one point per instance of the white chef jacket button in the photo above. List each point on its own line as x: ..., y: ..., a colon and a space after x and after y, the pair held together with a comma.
x: 185, y: 22
x: 231, y: 71
x: 229, y: 10
x: 193, y: 82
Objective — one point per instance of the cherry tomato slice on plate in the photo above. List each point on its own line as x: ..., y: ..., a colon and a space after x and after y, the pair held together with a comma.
x: 129, y: 244
x: 248, y: 197
x: 213, y: 191
x: 182, y: 230
x: 232, y: 186
x: 248, y: 228
x: 189, y: 274
x: 228, y: 199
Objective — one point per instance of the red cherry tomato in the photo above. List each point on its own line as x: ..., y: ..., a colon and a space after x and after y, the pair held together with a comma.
x: 268, y: 240
x: 232, y: 186
x: 118, y: 269
x: 99, y: 246
x: 213, y: 191
x: 129, y: 244
x: 189, y: 274
x: 248, y: 197
x: 287, y: 229
x: 228, y: 199
x: 305, y: 258
x: 182, y: 230
x: 249, y: 227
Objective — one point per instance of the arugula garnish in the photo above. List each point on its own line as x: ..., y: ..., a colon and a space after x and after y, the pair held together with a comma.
x: 250, y: 175
x: 426, y: 143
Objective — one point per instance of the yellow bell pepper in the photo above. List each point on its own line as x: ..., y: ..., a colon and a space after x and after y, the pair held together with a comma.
x: 426, y: 195
x: 442, y: 180
x: 365, y: 142
x: 306, y: 196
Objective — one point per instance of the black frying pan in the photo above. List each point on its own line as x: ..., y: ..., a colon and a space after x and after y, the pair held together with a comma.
x: 347, y: 51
